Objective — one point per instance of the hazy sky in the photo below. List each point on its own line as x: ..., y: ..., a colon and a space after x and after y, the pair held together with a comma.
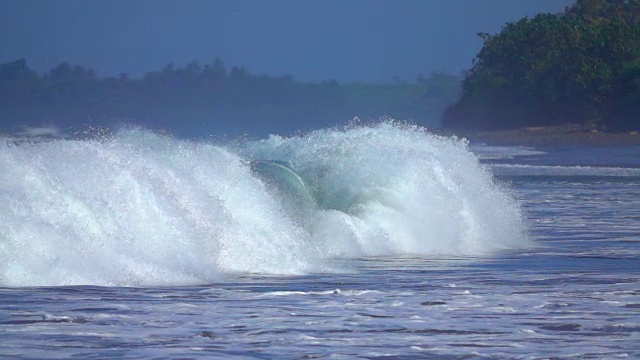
x: 369, y: 40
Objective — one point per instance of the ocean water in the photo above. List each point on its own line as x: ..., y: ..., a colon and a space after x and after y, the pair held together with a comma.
x: 140, y: 245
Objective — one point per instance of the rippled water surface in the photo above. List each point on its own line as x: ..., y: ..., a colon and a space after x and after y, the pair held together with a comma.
x: 574, y: 294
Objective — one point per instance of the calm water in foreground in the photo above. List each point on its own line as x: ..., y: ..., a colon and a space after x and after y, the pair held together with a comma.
x: 574, y: 294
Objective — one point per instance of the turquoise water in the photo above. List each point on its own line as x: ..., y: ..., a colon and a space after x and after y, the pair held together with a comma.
x: 140, y: 245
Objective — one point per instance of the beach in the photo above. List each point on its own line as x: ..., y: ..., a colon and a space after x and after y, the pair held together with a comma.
x: 552, y: 136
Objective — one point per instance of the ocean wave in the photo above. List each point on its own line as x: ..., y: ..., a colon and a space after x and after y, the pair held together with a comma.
x: 139, y: 209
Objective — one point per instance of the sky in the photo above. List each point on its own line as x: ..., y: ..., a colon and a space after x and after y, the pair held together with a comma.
x: 312, y: 40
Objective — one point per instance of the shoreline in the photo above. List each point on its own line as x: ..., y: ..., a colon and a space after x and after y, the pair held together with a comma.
x: 550, y: 136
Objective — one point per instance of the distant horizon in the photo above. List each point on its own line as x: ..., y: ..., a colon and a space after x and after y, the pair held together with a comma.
x: 371, y: 41
x: 393, y: 80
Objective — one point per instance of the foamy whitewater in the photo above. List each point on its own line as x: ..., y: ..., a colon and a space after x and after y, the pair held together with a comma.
x: 367, y: 242
x: 140, y: 209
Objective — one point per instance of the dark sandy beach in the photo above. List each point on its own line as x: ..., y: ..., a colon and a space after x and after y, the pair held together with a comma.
x: 552, y: 136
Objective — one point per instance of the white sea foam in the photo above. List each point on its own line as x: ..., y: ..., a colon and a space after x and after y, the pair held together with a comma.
x: 487, y: 152
x: 44, y: 131
x: 138, y: 208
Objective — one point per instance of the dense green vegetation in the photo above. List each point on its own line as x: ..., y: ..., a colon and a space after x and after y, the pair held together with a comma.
x: 210, y: 99
x: 581, y: 66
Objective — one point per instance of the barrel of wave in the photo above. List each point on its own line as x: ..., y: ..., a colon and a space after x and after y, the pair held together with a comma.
x: 395, y: 188
x: 280, y: 177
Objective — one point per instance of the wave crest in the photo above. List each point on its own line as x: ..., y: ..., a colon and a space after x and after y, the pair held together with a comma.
x: 138, y: 208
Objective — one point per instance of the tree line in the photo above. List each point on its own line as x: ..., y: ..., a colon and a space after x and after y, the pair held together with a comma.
x: 198, y: 99
x: 581, y: 66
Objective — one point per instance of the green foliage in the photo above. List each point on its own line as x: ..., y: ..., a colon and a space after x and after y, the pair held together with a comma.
x: 555, y: 69
x: 19, y: 86
x: 440, y: 90
x: 210, y: 98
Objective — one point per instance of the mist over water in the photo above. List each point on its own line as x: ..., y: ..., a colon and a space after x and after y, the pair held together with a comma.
x: 142, y: 209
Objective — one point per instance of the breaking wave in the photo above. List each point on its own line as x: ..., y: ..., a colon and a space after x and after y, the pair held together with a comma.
x: 139, y: 209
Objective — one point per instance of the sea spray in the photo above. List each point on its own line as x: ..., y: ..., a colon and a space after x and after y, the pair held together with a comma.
x: 137, y: 209
x: 397, y: 189
x: 140, y: 209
